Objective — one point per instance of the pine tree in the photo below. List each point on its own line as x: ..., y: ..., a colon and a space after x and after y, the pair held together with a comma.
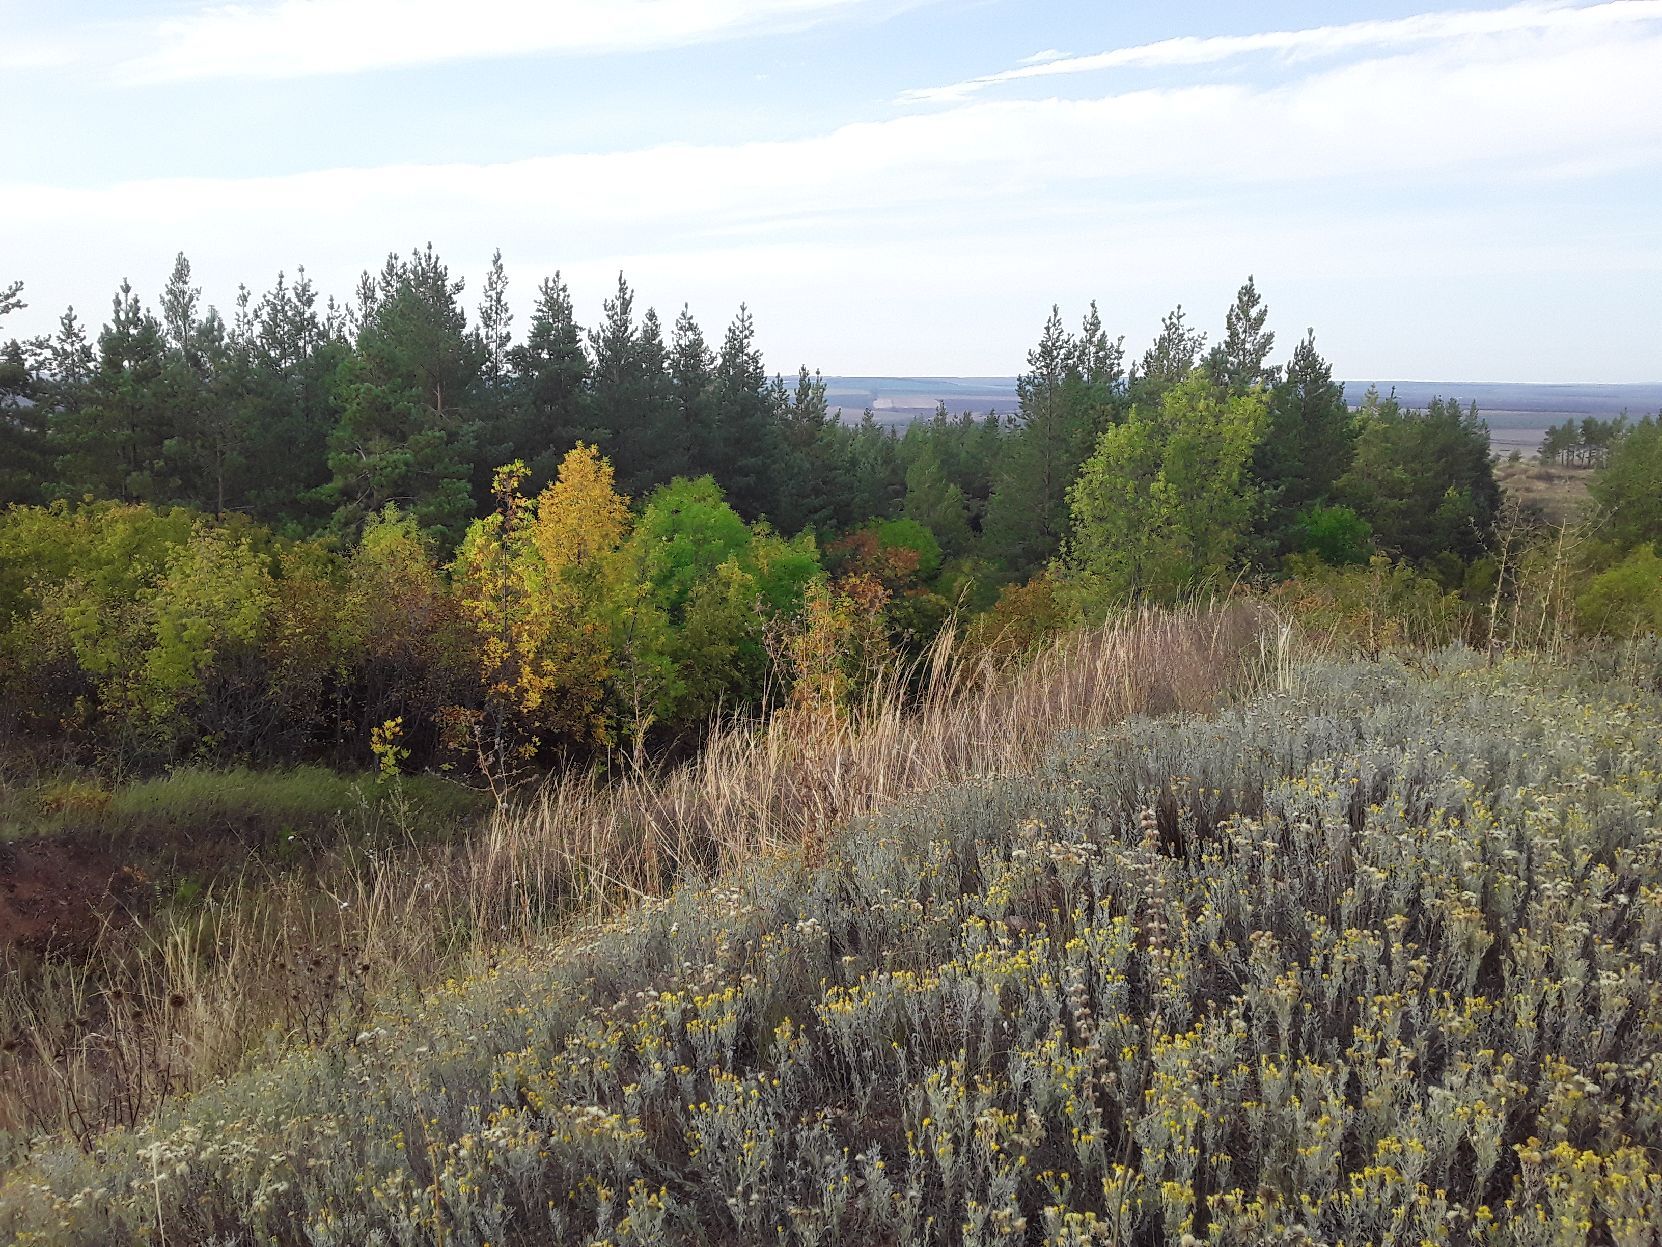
x: 612, y: 343
x: 746, y: 423
x: 495, y: 406
x: 660, y: 450
x: 1423, y: 479
x: 114, y: 444
x: 1099, y: 362
x: 634, y: 398
x: 201, y: 389
x: 936, y: 503
x: 496, y: 323
x: 1629, y: 488
x: 24, y: 460
x: 815, y: 464
x: 1061, y: 412
x: 692, y: 381
x: 876, y: 473
x: 1241, y: 360
x: 1172, y: 356
x: 552, y: 409
x: 408, y: 394
x: 286, y: 355
x: 1308, y: 444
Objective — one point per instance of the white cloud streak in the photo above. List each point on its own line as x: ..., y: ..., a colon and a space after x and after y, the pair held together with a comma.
x: 297, y: 38
x: 1309, y: 43
x: 937, y: 239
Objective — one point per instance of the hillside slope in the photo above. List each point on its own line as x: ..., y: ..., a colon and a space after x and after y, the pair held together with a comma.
x: 1374, y: 958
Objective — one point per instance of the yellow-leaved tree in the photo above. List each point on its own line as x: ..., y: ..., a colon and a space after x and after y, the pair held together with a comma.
x: 529, y: 580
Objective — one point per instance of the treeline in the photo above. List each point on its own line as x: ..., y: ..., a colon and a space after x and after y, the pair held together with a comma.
x: 1582, y: 443
x: 384, y: 528
x: 311, y: 415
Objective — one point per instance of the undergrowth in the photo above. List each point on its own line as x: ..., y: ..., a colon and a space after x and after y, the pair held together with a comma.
x: 1373, y: 957
x: 298, y: 957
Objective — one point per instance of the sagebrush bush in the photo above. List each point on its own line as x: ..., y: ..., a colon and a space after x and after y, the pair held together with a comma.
x: 1372, y: 958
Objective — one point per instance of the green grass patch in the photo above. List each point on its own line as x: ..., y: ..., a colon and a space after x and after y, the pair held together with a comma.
x: 264, y: 808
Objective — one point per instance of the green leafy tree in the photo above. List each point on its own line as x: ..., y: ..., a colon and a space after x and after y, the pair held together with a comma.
x: 1629, y: 487
x: 885, y: 568
x: 937, y: 504
x: 134, y: 624
x: 908, y: 534
x: 211, y: 607
x: 1625, y: 600
x: 1165, y: 502
x: 685, y: 531
x: 1336, y: 535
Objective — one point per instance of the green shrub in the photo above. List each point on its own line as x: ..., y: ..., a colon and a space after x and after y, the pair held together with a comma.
x: 1626, y: 599
x: 1336, y: 535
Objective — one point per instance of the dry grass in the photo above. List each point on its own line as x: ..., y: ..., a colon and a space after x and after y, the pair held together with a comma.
x: 1558, y: 493
x: 285, y: 960
x: 783, y: 786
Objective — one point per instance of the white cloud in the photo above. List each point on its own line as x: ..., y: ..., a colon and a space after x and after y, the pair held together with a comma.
x: 1045, y: 57
x: 936, y: 240
x: 25, y: 54
x: 1543, y: 15
x: 291, y: 38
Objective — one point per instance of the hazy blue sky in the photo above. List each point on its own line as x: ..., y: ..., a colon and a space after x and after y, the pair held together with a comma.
x: 895, y: 186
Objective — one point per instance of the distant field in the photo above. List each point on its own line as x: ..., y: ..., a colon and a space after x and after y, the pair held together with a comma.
x: 1518, y: 415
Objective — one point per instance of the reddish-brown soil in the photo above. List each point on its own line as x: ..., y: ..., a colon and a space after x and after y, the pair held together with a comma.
x: 56, y: 894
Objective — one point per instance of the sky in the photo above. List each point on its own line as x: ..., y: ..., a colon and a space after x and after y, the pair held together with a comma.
x: 894, y: 187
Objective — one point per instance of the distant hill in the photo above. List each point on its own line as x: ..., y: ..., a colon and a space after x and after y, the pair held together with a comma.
x: 1518, y: 415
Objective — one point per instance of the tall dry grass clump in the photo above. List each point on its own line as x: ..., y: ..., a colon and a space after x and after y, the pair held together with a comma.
x: 784, y: 784
x: 155, y: 1012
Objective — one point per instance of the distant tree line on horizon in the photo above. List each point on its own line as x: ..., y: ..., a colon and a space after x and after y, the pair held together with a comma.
x: 288, y: 530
